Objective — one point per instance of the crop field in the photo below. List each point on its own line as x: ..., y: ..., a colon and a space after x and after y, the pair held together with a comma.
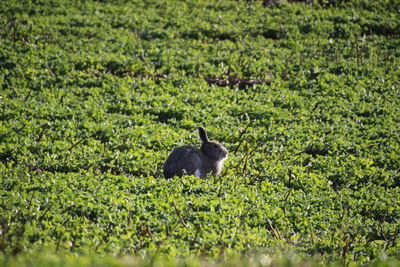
x: 94, y: 95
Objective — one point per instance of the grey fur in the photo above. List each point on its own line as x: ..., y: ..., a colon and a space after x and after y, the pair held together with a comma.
x: 185, y: 160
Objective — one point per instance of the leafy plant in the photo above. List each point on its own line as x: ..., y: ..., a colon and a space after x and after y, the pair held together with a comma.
x: 94, y: 95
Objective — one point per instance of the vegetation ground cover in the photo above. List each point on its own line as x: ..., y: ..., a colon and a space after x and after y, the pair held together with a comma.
x: 305, y: 96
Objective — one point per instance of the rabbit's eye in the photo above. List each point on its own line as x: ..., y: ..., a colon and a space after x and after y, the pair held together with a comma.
x: 215, y: 146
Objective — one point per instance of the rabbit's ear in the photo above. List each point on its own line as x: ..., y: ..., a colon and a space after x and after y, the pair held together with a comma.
x: 202, y: 134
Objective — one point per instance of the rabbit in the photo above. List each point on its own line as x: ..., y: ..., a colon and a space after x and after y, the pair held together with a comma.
x: 189, y: 160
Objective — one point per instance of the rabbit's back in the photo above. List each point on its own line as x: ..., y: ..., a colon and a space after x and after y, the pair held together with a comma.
x: 184, y: 160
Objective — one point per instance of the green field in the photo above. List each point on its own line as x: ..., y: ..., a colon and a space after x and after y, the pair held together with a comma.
x: 94, y: 95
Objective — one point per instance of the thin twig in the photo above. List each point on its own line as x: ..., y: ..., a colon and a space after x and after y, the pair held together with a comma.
x: 45, y: 212
x: 28, y: 95
x: 242, y: 135
x: 179, y: 215
x: 44, y: 127
x: 50, y: 70
x: 288, y: 194
x: 80, y: 141
x: 17, y: 131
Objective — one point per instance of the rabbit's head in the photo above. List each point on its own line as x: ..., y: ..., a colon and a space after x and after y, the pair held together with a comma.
x: 212, y: 149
